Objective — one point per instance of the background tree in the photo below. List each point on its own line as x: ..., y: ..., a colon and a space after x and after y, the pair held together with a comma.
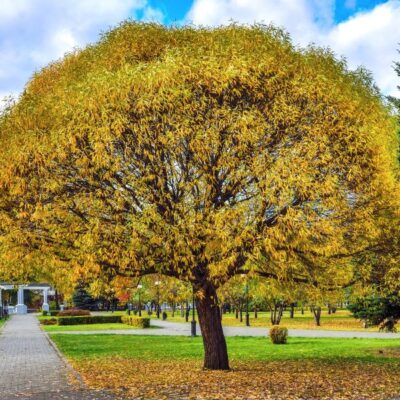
x: 199, y: 154
x: 378, y: 310
x: 82, y: 299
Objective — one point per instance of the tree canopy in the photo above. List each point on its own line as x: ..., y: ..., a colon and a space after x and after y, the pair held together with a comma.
x: 199, y: 154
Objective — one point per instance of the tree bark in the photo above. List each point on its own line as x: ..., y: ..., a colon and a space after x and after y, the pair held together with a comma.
x: 56, y: 299
x: 317, y: 315
x: 292, y: 310
x: 215, y: 350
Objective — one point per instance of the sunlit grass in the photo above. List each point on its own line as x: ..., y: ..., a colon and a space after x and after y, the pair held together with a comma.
x: 86, y: 327
x: 239, y: 348
x: 341, y: 320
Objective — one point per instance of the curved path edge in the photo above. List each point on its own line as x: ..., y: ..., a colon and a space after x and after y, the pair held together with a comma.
x: 31, y: 367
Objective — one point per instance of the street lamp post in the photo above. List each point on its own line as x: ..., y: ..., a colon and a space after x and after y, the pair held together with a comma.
x: 157, y: 283
x: 129, y: 300
x: 129, y: 308
x: 247, y: 304
x: 140, y: 305
x: 193, y: 322
x: 247, y: 300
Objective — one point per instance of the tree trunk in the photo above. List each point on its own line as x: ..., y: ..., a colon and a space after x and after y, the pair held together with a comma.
x: 255, y: 313
x: 56, y: 299
x: 215, y: 350
x: 292, y: 310
x: 317, y: 315
x: 236, y: 313
x: 187, y: 311
x: 276, y: 313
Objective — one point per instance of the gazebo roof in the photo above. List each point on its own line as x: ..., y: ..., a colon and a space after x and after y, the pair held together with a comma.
x: 33, y: 286
x: 44, y: 285
x: 6, y: 286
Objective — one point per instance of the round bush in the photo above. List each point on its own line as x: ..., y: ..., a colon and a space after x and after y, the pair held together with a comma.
x: 278, y: 334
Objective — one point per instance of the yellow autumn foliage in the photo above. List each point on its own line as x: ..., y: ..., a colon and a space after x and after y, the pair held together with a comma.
x: 199, y: 154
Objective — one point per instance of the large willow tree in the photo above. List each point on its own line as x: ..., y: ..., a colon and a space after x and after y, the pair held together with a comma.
x: 199, y: 154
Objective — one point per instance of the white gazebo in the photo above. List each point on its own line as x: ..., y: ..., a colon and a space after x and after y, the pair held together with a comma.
x: 20, y: 307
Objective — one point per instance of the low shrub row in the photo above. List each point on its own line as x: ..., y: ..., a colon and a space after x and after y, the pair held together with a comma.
x: 137, y: 322
x: 65, y: 313
x: 51, y: 321
x: 89, y: 319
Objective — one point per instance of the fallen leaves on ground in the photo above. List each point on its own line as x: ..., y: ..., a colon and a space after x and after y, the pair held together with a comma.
x: 178, y: 380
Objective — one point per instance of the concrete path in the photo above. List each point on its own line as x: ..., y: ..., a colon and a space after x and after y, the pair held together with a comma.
x: 31, y: 368
x: 183, y: 329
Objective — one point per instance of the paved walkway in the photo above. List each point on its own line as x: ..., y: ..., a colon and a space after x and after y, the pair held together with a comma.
x: 183, y: 329
x: 30, y: 368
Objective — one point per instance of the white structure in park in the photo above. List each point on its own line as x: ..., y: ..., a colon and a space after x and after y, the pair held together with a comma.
x: 20, y: 307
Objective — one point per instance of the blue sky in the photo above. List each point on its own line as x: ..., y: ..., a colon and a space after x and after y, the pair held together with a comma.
x: 176, y: 10
x: 36, y: 32
x: 345, y: 9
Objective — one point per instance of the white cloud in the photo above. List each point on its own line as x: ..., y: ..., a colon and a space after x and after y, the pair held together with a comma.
x: 35, y: 32
x: 370, y: 38
x: 153, y: 15
x: 302, y: 18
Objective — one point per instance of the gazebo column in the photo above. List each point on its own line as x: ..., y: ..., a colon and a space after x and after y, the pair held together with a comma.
x: 21, y: 308
x: 45, y: 306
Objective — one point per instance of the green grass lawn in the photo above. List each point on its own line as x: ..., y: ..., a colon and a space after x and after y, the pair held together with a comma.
x: 2, y: 322
x: 341, y: 320
x: 240, y: 348
x: 86, y: 327
x: 168, y: 367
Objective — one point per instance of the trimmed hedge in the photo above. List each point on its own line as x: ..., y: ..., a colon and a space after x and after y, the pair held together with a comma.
x: 278, y: 334
x: 138, y: 322
x: 90, y: 319
x: 73, y: 313
x: 52, y: 321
